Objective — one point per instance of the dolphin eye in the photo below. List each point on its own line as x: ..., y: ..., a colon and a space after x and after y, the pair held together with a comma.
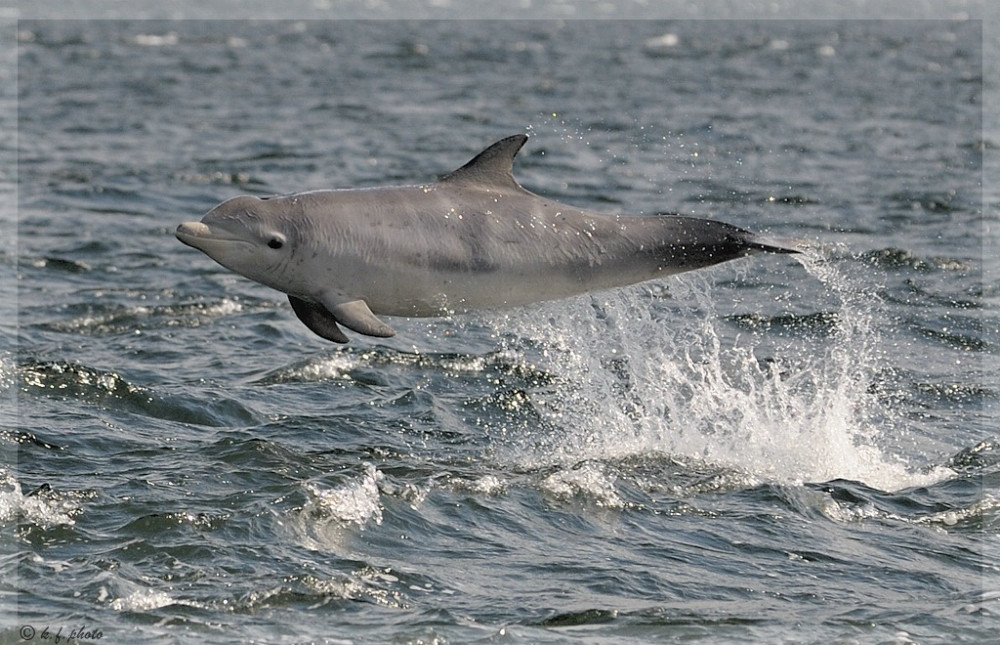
x: 275, y: 243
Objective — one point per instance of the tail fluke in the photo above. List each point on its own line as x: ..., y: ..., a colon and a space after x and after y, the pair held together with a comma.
x: 765, y: 244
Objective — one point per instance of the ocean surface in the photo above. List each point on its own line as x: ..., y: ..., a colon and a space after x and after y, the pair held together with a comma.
x: 774, y: 450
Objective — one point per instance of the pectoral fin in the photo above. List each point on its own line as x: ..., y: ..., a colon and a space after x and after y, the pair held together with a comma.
x: 356, y: 316
x: 318, y: 319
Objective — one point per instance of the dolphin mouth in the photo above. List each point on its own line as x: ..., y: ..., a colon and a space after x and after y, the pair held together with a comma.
x: 199, y: 235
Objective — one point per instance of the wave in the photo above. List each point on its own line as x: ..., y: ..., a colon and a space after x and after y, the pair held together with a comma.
x: 355, y: 363
x: 100, y: 319
x: 108, y: 388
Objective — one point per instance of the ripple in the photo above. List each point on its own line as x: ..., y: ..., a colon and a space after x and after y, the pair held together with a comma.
x: 820, y: 323
x: 354, y: 364
x: 113, y: 319
x: 896, y: 258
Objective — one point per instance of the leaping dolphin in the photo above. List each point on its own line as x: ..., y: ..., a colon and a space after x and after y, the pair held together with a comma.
x: 474, y: 239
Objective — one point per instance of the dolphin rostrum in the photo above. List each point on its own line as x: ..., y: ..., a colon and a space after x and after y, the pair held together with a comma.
x: 474, y: 239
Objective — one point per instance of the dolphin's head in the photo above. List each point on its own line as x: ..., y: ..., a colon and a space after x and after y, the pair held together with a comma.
x: 247, y: 235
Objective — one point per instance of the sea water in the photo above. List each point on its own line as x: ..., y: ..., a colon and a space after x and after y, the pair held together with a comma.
x: 778, y: 449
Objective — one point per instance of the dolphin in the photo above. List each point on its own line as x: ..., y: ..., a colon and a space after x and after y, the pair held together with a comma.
x: 473, y: 239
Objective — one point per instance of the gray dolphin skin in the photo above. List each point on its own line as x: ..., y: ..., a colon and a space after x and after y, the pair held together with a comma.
x: 474, y: 239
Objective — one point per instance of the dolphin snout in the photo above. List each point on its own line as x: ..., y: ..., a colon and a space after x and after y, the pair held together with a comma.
x: 192, y: 229
x: 212, y: 240
x: 198, y: 235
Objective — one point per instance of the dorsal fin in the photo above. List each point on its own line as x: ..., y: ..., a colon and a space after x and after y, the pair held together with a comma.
x: 491, y: 167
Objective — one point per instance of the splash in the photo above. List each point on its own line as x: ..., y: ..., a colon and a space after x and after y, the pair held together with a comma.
x: 329, y: 517
x: 354, y: 502
x: 783, y: 397
x: 42, y: 507
x: 587, y: 480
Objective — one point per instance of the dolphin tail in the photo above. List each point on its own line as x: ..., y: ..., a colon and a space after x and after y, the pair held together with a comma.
x: 762, y: 244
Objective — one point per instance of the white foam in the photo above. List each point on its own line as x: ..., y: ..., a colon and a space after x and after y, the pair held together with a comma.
x: 155, y: 40
x: 225, y: 307
x: 330, y: 516
x: 588, y: 481
x: 664, y: 41
x: 142, y: 600
x: 485, y: 485
x: 369, y: 585
x: 355, y: 502
x: 8, y: 371
x: 336, y: 366
x: 44, y: 511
